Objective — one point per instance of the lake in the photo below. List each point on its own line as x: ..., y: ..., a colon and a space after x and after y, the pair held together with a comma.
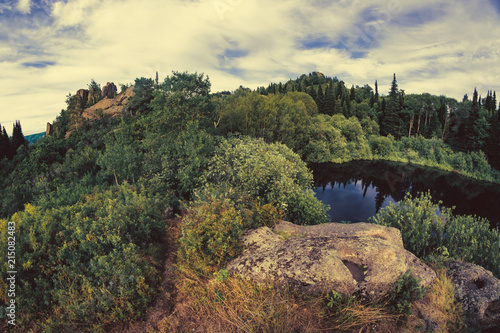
x: 357, y: 190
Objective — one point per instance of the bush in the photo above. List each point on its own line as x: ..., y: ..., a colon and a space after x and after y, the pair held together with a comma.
x: 381, y: 145
x: 425, y: 228
x: 406, y: 291
x: 212, y: 228
x: 89, y: 264
x: 273, y: 173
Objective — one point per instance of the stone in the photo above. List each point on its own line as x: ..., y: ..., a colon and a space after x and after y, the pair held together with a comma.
x: 479, y: 292
x: 109, y: 90
x: 360, y: 258
x: 49, y: 130
x: 83, y: 94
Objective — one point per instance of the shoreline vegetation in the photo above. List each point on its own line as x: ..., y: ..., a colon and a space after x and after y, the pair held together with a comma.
x: 92, y: 202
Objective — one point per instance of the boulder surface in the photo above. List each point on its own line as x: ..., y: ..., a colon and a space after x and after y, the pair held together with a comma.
x: 361, y: 258
x: 479, y: 292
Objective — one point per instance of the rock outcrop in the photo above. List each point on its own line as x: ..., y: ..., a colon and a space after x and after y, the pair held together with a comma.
x: 109, y: 90
x: 110, y: 106
x: 479, y: 292
x: 49, y: 129
x: 359, y: 258
x: 83, y: 94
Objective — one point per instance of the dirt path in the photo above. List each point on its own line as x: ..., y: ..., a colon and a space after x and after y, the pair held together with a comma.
x: 166, y: 301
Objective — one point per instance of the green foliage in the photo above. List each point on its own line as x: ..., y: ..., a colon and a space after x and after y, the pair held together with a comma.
x: 212, y: 228
x: 337, y: 301
x: 210, y: 234
x: 122, y: 158
x: 91, y: 263
x: 426, y: 228
x: 270, y: 172
x: 406, y: 291
x: 94, y: 93
x: 381, y: 145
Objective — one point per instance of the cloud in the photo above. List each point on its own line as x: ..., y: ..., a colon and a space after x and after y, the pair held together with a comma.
x: 56, y: 47
x: 24, y: 6
x: 38, y: 64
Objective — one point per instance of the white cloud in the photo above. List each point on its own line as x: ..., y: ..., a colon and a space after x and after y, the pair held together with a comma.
x: 250, y: 42
x: 24, y: 6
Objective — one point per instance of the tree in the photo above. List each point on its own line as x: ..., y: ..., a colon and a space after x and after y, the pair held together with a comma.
x: 390, y: 123
x: 5, y: 148
x: 94, y: 93
x: 471, y: 127
x: 139, y: 103
x: 329, y: 104
x: 312, y: 93
x: 321, y: 100
x: 18, y: 139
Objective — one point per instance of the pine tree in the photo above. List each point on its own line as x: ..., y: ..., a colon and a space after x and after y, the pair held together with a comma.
x: 376, y: 91
x: 312, y: 93
x: 329, y: 99
x: 492, y: 148
x: 18, y: 139
x: 494, y: 102
x: 390, y: 122
x: 320, y: 100
x: 471, y: 128
x: 352, y: 94
x: 5, y: 151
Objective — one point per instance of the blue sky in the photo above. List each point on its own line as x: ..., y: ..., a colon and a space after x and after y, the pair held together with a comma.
x: 49, y: 48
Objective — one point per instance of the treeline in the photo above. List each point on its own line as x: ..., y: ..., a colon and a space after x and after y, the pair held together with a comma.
x: 89, y: 201
x: 9, y: 146
x: 468, y: 125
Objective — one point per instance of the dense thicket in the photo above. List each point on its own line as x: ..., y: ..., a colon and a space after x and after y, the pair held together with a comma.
x: 88, y: 200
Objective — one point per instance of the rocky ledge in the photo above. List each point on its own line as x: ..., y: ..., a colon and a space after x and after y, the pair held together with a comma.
x: 360, y: 258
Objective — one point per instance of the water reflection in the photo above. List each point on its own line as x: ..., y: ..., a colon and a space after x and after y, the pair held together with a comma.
x: 361, y: 188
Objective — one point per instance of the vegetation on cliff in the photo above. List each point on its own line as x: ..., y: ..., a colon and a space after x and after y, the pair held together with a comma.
x: 89, y: 200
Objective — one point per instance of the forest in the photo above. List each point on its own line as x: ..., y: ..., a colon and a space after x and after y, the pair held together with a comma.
x: 90, y: 201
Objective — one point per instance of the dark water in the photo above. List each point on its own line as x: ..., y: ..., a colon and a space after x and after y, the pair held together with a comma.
x: 357, y: 190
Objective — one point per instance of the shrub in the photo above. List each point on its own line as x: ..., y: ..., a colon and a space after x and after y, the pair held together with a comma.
x: 273, y: 173
x: 406, y: 291
x: 425, y: 228
x: 381, y: 145
x: 213, y: 226
x: 88, y: 264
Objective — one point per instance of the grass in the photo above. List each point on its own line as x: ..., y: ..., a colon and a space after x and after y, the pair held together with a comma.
x: 232, y: 304
x: 224, y: 303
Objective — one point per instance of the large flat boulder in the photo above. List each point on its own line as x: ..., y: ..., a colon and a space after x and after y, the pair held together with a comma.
x: 479, y: 292
x: 350, y: 258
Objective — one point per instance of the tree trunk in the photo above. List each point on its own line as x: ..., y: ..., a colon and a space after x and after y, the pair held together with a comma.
x: 411, y: 125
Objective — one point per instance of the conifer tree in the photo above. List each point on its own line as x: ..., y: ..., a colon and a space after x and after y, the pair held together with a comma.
x: 320, y: 100
x: 352, y: 94
x: 5, y: 151
x: 390, y: 122
x: 18, y: 139
x: 376, y: 91
x: 329, y: 99
x: 312, y: 93
x: 492, y: 148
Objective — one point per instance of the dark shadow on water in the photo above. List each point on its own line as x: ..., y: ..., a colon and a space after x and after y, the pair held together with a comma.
x: 357, y: 190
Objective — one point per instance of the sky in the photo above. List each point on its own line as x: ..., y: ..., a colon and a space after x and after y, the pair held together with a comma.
x: 50, y: 48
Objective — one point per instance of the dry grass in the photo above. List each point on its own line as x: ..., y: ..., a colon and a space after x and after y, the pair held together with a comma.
x: 238, y: 305
x: 231, y: 304
x: 440, y: 306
